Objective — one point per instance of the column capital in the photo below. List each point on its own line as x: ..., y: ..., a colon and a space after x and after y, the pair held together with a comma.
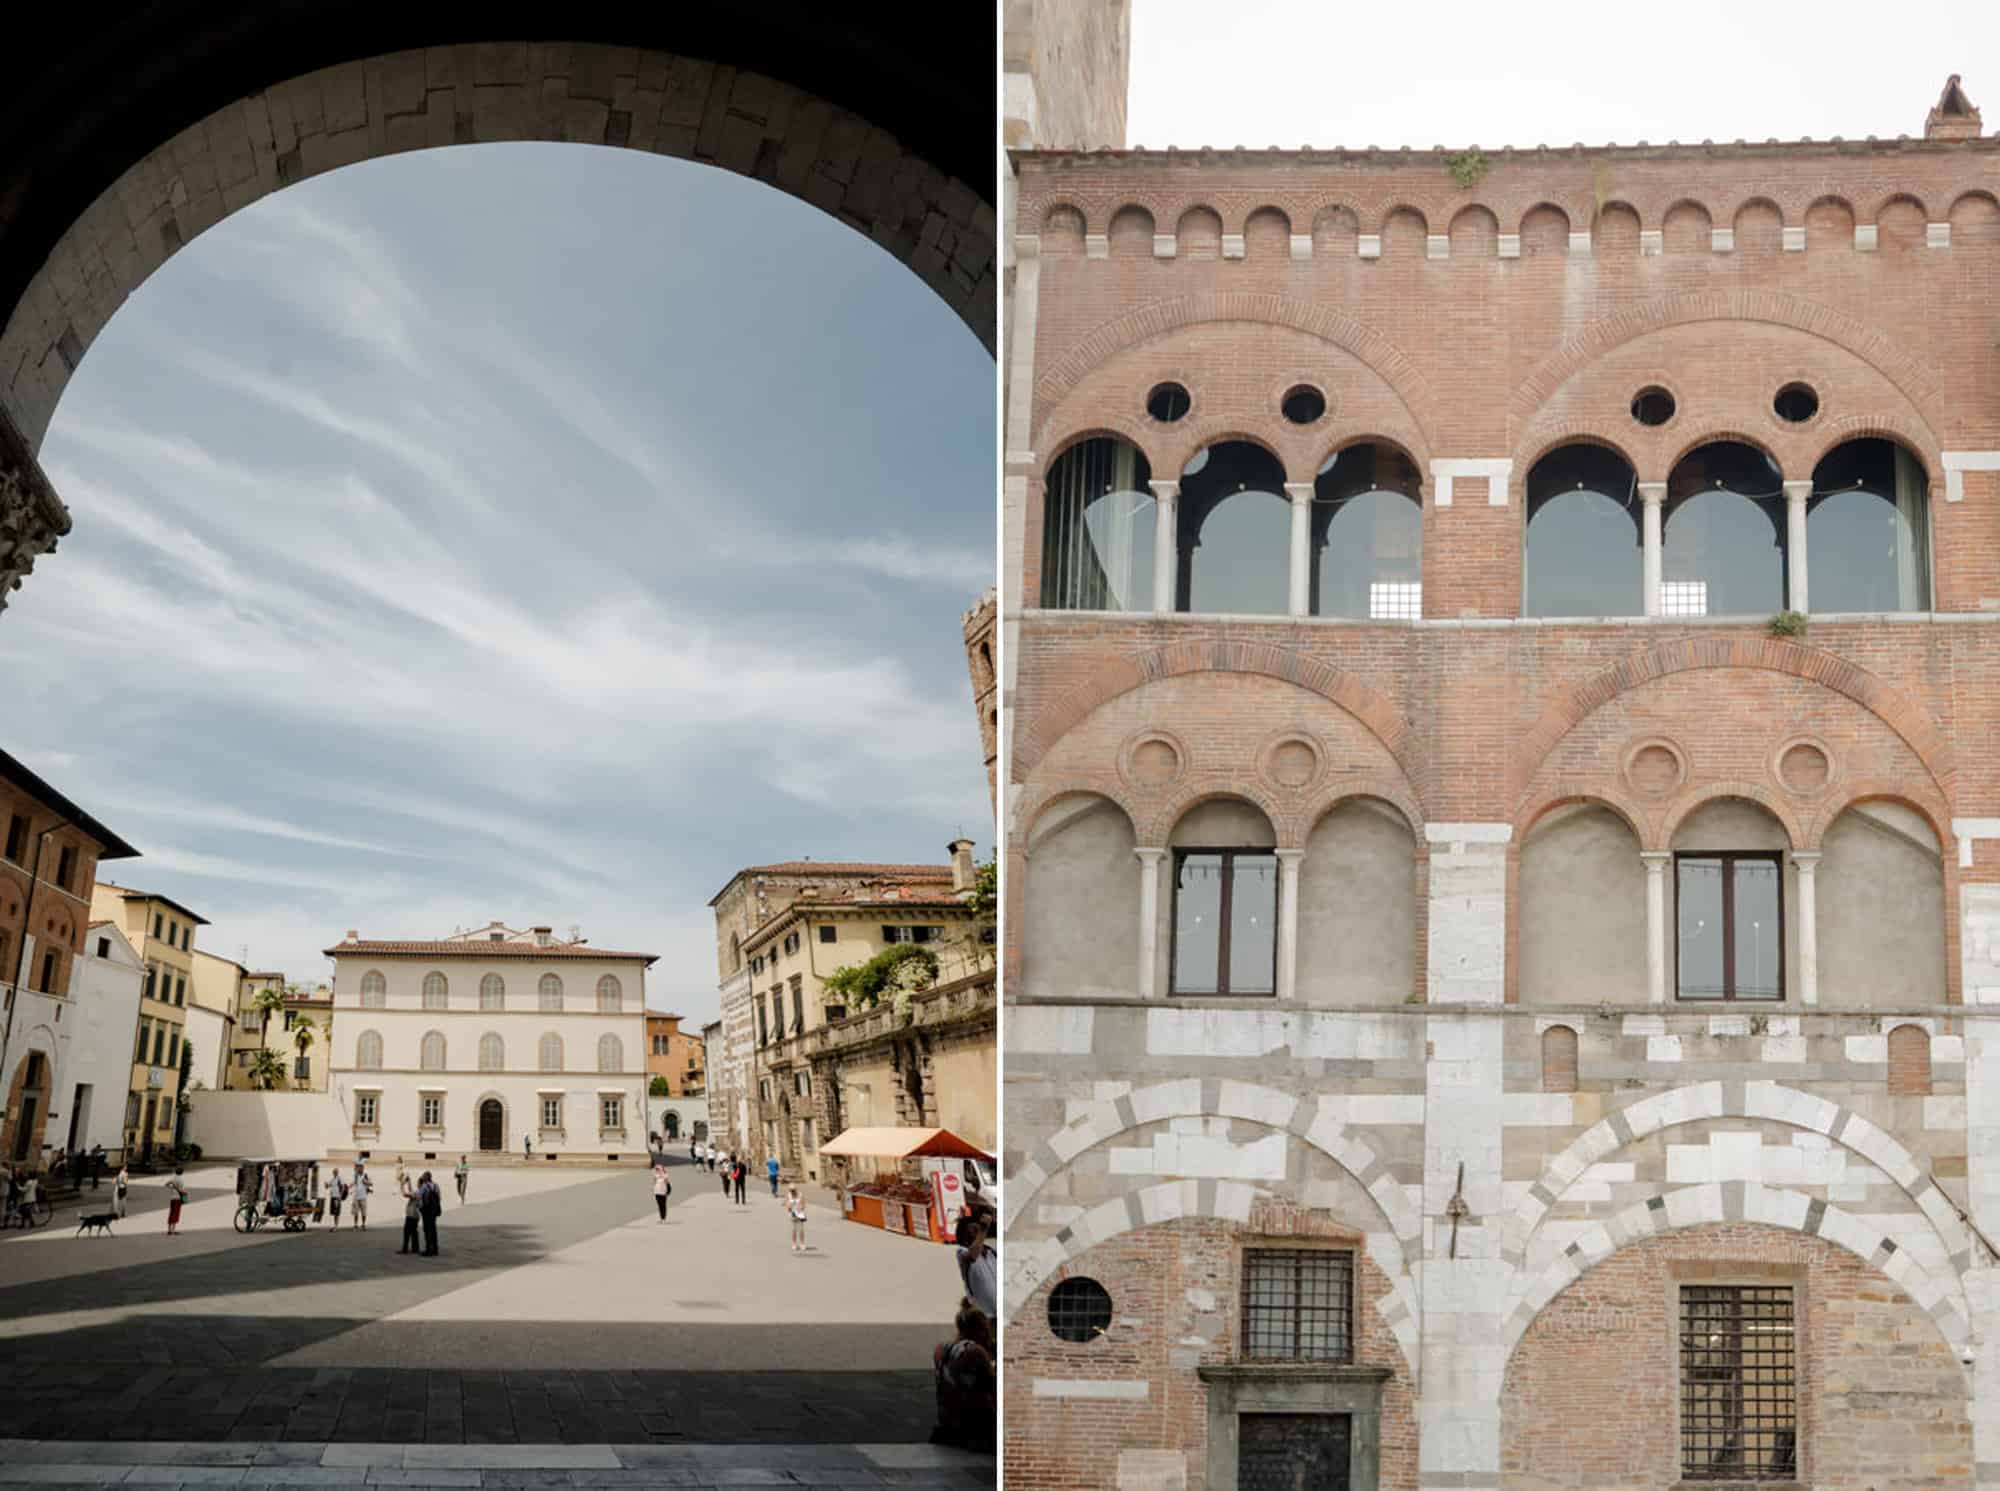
x: 1806, y: 859
x: 1652, y: 493
x: 1289, y: 856
x: 1166, y: 491
x: 1299, y: 491
x: 1656, y: 859
x: 1796, y: 492
x: 1150, y: 856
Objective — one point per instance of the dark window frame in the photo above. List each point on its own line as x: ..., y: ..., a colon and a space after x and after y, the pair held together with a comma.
x: 1339, y: 1318
x: 1226, y: 914
x: 1730, y: 858
x: 1770, y: 1409
x: 18, y: 830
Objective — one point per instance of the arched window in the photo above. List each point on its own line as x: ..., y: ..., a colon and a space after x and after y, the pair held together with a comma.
x: 433, y: 1052
x: 374, y: 991
x: 493, y: 992
x: 610, y: 994
x: 368, y: 1051
x: 1234, y: 533
x: 1367, y: 536
x: 1868, y: 530
x: 610, y: 1054
x: 551, y: 992
x: 1725, y: 550
x: 1097, y: 529
x: 435, y: 992
x: 1584, y: 551
x: 492, y: 1053
x: 1559, y: 1059
x: 1909, y: 1061
x: 551, y: 1052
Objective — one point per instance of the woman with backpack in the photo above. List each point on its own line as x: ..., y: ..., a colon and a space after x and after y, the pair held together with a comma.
x: 662, y: 1187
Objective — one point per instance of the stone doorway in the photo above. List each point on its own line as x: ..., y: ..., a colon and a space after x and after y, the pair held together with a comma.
x: 491, y: 1125
x: 1286, y: 1451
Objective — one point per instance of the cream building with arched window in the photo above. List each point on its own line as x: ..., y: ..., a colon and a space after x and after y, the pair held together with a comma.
x: 495, y: 1042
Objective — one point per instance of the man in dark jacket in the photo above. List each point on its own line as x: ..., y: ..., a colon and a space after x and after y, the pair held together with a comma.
x: 430, y: 1201
x: 742, y: 1173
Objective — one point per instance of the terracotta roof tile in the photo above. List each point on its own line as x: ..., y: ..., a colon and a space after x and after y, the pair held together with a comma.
x: 483, y: 950
x: 837, y: 867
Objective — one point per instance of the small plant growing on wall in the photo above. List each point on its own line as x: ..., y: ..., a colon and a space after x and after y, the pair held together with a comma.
x: 1788, y: 624
x: 1469, y: 167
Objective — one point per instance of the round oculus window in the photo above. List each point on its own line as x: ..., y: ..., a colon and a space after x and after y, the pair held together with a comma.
x: 1303, y: 405
x: 1796, y: 403
x: 1652, y: 406
x: 1168, y: 402
x: 1079, y: 1310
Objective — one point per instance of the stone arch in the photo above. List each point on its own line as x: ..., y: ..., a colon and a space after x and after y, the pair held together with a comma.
x: 1754, y: 1099
x: 1910, y: 377
x: 1374, y: 709
x: 1388, y: 361
x: 265, y: 133
x: 1748, y: 1201
x: 1898, y: 710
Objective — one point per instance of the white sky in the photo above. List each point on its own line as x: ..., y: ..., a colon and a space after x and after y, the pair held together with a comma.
x: 1317, y: 72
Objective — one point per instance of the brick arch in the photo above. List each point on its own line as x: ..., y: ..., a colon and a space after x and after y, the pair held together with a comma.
x: 1777, y: 1207
x: 1030, y: 804
x: 1910, y: 377
x: 1896, y: 709
x: 277, y: 132
x: 1760, y: 1100
x: 1167, y: 813
x: 1100, y: 426
x: 1566, y: 793
x: 1881, y: 424
x: 1317, y: 804
x: 1689, y: 802
x: 1853, y: 794
x: 1368, y: 705
x: 1362, y: 342
x: 1186, y: 439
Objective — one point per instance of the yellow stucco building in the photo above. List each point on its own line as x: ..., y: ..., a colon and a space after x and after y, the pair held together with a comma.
x: 162, y: 932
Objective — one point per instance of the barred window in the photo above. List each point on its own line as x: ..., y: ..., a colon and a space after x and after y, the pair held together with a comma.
x: 1739, y: 1401
x: 1079, y: 1310
x: 1298, y: 1304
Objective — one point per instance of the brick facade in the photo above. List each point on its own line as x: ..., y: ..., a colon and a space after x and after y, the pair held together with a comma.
x: 1479, y: 1059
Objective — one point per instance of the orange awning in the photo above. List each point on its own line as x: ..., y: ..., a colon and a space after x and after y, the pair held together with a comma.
x: 902, y: 1144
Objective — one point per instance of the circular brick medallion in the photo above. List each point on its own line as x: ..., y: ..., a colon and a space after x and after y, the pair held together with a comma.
x: 1290, y: 762
x: 1804, y: 767
x: 1655, y: 768
x: 1152, y: 760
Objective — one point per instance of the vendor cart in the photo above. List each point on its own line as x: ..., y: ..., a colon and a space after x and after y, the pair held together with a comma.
x: 927, y: 1208
x: 273, y: 1190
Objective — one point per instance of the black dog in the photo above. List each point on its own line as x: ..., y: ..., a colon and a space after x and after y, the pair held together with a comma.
x: 100, y: 1223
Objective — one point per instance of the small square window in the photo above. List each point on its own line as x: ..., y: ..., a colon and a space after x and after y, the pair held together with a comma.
x: 614, y: 1113
x: 1683, y: 597
x: 1298, y: 1304
x: 826, y: 934
x: 1395, y: 600
x: 364, y: 1108
x: 433, y: 1110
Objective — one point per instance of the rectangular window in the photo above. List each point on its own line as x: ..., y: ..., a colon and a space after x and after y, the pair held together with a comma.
x: 66, y: 868
x: 159, y: 1043
x: 763, y: 1025
x: 17, y: 837
x: 104, y: 947
x: 826, y: 934
x: 1683, y: 597
x: 1395, y: 600
x: 1225, y: 921
x: 166, y: 1114
x: 145, y: 1035
x: 1729, y: 909
x: 924, y: 934
x: 798, y: 1006
x: 48, y: 973
x: 364, y: 1110
x: 1298, y: 1305
x: 302, y: 1068
x: 433, y: 1110
x: 173, y: 1048
x: 551, y: 1113
x: 802, y: 1084
x: 1739, y: 1405
x: 895, y: 934
x: 614, y: 1113
x: 158, y: 922
x: 180, y: 991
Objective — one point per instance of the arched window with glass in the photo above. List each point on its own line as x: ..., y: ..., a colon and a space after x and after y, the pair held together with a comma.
x: 550, y: 992
x: 432, y: 1058
x: 493, y: 992
x: 492, y: 1053
x: 1097, y: 529
x: 610, y: 1054
x: 610, y: 995
x: 1367, y: 559
x: 1584, y: 552
x: 1234, y: 533
x: 374, y: 991
x: 1725, y: 550
x: 551, y: 1052
x: 436, y: 992
x: 1868, y: 530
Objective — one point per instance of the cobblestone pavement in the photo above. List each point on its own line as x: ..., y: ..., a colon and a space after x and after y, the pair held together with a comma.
x: 560, y: 1311
x: 259, y: 1464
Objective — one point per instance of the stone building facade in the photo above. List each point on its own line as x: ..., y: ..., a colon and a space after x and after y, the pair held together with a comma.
x: 981, y: 665
x: 1503, y: 851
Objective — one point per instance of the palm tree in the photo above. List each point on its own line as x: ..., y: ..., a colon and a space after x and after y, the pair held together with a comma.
x: 302, y: 1037
x: 266, y: 1070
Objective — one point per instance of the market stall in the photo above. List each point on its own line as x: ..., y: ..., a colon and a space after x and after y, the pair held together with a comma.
x: 927, y: 1209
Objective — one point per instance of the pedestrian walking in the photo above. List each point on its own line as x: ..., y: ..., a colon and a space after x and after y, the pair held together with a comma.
x: 796, y: 1205
x: 527, y: 1146
x: 411, y: 1213
x: 96, y: 1166
x: 464, y: 1173
x: 336, y: 1193
x: 120, y: 1189
x: 177, y: 1193
x: 725, y: 1179
x: 662, y: 1187
x: 362, y: 1186
x: 430, y: 1205
x: 694, y: 1150
x: 771, y: 1169
x: 742, y: 1174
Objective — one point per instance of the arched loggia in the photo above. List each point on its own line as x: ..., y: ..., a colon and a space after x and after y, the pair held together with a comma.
x: 1368, y: 536
x: 1725, y: 547
x: 1868, y: 529
x: 1582, y: 555
x: 1234, y: 533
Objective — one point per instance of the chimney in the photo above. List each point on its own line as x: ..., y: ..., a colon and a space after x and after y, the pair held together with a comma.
x: 963, y: 871
x: 352, y: 935
x: 1954, y: 117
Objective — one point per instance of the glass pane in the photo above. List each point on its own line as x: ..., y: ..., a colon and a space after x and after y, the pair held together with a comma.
x: 1584, y: 557
x: 1364, y: 544
x: 1198, y: 924
x: 1700, y: 900
x: 1733, y: 546
x: 1239, y: 562
x: 1253, y: 925
x: 1863, y: 557
x: 1757, y: 892
x: 1097, y: 530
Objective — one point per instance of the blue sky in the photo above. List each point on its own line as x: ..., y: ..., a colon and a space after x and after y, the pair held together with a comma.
x: 531, y: 532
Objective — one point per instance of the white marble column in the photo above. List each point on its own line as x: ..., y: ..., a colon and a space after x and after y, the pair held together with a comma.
x: 1652, y: 497
x: 1166, y: 534
x: 1808, y: 867
x: 1796, y: 493
x: 1301, y: 493
x: 1288, y: 918
x: 1149, y: 919
x: 1656, y: 861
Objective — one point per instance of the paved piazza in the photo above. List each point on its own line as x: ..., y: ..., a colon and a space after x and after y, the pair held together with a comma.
x: 560, y: 1311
